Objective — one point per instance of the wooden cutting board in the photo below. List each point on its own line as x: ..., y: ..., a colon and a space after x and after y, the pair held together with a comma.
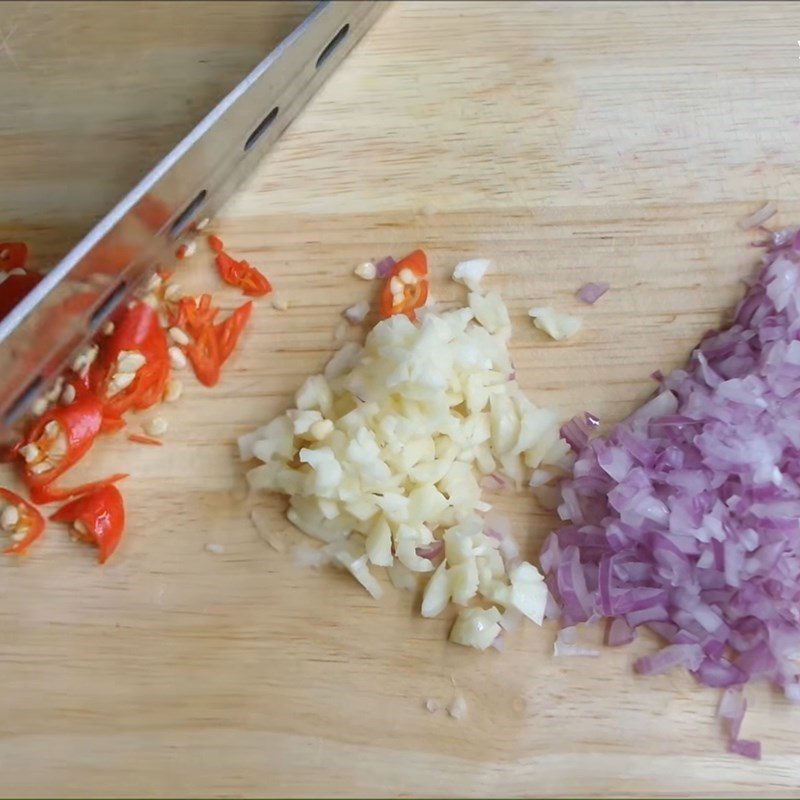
x: 566, y: 142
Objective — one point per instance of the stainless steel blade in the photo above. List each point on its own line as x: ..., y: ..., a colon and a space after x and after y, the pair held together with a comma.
x: 44, y: 332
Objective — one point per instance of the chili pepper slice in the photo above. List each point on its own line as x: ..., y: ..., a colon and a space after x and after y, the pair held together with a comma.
x: 14, y: 288
x: 204, y: 356
x: 60, y: 438
x: 243, y: 276
x: 98, y: 518
x: 406, y: 286
x: 254, y: 283
x: 13, y: 255
x: 30, y: 522
x: 230, y: 270
x: 192, y: 316
x: 228, y: 330
x: 48, y: 494
x: 137, y: 333
x: 215, y: 243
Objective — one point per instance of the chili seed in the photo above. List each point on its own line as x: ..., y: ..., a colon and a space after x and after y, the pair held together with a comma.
x: 39, y: 406
x: 68, y: 395
x: 178, y: 335
x: 130, y: 361
x: 177, y: 360
x: 9, y: 518
x: 30, y: 452
x: 407, y: 276
x: 52, y: 429
x: 173, y: 292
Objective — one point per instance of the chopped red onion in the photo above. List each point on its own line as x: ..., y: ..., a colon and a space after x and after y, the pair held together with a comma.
x: 384, y: 266
x: 732, y: 708
x: 494, y: 482
x: 746, y: 748
x: 576, y: 431
x: 591, y: 292
x: 619, y: 633
x: 686, y: 517
x: 430, y: 551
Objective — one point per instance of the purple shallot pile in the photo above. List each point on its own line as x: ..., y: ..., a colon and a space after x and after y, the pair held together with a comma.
x: 686, y: 517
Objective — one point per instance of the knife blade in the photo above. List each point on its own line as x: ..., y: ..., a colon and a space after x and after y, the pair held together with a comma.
x: 45, y: 331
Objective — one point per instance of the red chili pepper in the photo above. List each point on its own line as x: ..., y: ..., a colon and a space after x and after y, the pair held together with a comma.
x: 192, y: 316
x: 13, y: 255
x: 230, y: 270
x: 204, y: 356
x: 14, y: 288
x: 152, y: 212
x: 101, y: 515
x: 48, y: 494
x: 254, y: 283
x: 137, y: 332
x: 60, y: 438
x: 228, y: 330
x: 30, y: 523
x: 140, y: 438
x: 242, y: 275
x: 215, y: 243
x: 112, y: 424
x: 400, y: 296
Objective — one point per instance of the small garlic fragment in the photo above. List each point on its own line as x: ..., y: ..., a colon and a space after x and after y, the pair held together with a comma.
x: 366, y: 271
x: 321, y: 429
x: 156, y: 427
x: 279, y: 303
x: 458, y: 707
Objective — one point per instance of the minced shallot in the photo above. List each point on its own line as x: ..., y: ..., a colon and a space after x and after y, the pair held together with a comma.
x: 686, y: 518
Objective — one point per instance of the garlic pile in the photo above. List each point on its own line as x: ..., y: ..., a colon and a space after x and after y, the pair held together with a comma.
x: 383, y: 454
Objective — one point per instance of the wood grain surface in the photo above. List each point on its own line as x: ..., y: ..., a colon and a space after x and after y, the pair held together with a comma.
x: 95, y: 93
x: 567, y: 142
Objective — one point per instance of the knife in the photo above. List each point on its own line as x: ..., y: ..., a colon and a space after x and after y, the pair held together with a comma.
x: 45, y: 331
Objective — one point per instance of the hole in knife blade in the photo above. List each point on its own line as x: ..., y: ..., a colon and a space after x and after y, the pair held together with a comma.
x: 183, y: 220
x: 20, y: 405
x: 332, y: 45
x: 102, y: 312
x: 261, y: 129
